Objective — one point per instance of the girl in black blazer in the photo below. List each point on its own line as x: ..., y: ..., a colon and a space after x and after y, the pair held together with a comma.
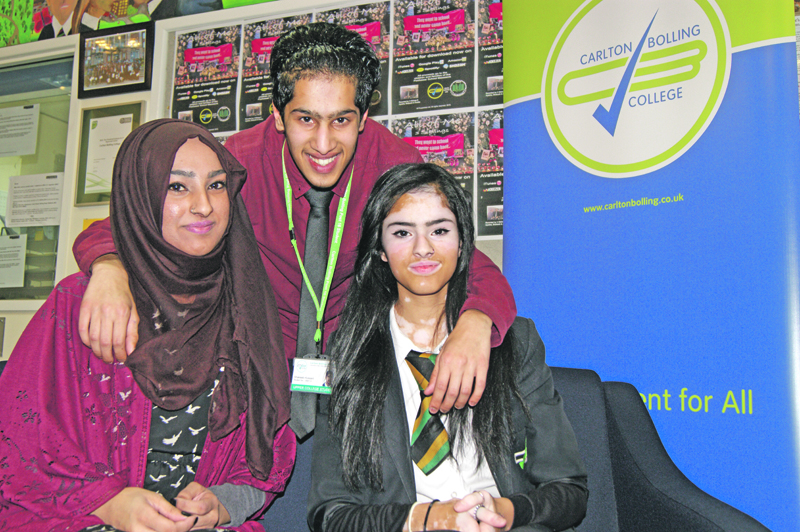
x: 509, y: 463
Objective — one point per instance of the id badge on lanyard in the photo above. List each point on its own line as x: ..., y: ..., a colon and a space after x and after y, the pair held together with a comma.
x: 311, y: 373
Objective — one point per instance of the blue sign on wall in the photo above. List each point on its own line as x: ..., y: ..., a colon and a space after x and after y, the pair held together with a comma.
x: 651, y: 226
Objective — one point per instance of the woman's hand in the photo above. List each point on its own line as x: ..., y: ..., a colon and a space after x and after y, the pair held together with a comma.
x: 139, y: 510
x: 491, y: 514
x: 459, y: 514
x: 462, y: 362
x: 108, y: 322
x: 201, y: 502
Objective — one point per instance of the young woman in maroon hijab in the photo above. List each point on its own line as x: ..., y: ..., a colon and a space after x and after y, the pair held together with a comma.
x: 191, y: 432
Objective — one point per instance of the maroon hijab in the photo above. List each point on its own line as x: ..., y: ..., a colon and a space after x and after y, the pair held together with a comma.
x: 231, y: 331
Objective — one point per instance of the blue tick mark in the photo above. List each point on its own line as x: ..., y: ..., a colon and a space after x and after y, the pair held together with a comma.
x: 608, y: 119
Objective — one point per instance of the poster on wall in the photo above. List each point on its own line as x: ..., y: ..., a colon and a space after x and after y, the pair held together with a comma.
x: 17, y: 22
x: 259, y: 38
x: 490, y: 52
x: 371, y: 21
x: 489, y: 155
x: 639, y: 235
x: 206, y: 72
x: 60, y: 18
x: 23, y: 21
x: 52, y: 19
x: 434, y: 55
x: 446, y: 140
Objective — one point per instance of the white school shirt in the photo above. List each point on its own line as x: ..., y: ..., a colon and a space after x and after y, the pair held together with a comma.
x: 450, y: 480
x: 90, y: 21
x: 57, y: 26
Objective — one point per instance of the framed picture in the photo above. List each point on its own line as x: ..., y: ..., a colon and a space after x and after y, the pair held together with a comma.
x: 116, y: 60
x: 102, y: 131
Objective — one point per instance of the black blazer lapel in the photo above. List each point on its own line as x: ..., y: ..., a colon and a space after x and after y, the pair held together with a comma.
x: 507, y: 475
x: 398, y: 446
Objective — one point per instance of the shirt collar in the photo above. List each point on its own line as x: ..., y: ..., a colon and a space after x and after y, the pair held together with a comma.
x: 90, y: 21
x: 57, y: 26
x: 402, y: 343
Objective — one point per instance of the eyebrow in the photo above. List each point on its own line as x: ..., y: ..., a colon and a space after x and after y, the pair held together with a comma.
x: 318, y: 116
x: 189, y: 173
x: 427, y: 224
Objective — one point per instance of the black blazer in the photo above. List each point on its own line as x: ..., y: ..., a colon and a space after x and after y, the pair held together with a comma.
x: 47, y: 33
x: 552, y: 451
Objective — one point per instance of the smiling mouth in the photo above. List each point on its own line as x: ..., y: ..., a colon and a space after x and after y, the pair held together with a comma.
x: 200, y: 228
x: 321, y: 164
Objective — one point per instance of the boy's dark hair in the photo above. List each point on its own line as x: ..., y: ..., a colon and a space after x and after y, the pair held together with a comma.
x: 321, y: 48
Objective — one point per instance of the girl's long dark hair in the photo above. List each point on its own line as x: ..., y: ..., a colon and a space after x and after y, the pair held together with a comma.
x: 363, y: 353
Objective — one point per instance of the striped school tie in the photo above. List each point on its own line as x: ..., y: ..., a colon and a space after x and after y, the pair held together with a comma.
x: 429, y: 442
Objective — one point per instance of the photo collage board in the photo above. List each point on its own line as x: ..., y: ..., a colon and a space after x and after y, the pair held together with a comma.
x: 441, y: 87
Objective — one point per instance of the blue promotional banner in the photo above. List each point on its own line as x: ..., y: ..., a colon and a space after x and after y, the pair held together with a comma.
x: 652, y: 155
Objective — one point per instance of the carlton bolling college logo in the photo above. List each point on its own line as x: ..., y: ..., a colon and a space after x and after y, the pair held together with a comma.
x: 629, y: 86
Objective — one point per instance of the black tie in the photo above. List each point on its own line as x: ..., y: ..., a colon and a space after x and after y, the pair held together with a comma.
x: 60, y: 33
x: 315, y: 261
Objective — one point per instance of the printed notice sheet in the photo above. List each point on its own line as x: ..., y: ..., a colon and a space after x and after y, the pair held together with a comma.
x: 34, y: 200
x: 490, y: 52
x: 489, y: 154
x: 12, y: 260
x: 256, y: 90
x: 18, y: 130
x: 371, y: 21
x: 105, y: 137
x: 206, y: 78
x: 445, y: 140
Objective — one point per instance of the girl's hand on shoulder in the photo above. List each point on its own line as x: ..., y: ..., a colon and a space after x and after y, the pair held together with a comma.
x: 201, y: 502
x: 139, y: 510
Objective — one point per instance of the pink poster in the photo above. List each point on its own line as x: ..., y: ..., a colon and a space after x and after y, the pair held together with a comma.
x: 370, y: 31
x: 209, y: 53
x: 452, y: 21
x: 452, y: 145
x: 263, y: 46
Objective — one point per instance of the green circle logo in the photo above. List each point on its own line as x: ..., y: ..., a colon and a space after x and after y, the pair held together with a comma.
x: 458, y: 87
x: 630, y: 86
x: 435, y: 91
x: 206, y: 115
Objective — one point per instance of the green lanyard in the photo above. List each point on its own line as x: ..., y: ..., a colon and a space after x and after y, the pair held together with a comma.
x: 336, y: 243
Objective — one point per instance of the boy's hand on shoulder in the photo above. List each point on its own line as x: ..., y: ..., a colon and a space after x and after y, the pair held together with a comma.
x: 462, y: 364
x: 108, y: 321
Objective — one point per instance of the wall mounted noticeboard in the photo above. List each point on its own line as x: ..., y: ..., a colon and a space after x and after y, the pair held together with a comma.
x: 102, y: 131
x: 116, y: 60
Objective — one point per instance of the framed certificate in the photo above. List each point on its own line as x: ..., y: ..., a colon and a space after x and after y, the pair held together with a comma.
x: 102, y: 131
